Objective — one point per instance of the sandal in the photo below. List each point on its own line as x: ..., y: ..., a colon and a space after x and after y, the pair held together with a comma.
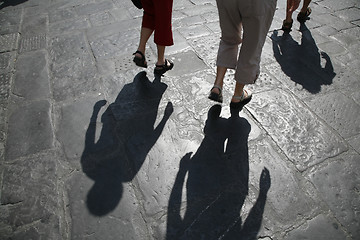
x: 217, y: 97
x: 302, y: 17
x: 161, y: 69
x: 243, y: 100
x: 286, y: 27
x: 140, y: 61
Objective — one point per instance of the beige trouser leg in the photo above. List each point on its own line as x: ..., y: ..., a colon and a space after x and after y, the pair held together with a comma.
x: 253, y: 18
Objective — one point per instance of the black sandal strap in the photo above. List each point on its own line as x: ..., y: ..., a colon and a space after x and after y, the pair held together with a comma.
x: 142, y: 55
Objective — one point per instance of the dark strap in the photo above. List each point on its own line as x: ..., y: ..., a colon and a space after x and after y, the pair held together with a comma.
x: 142, y: 55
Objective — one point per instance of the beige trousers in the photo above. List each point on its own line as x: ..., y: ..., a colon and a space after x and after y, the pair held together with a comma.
x: 244, y: 22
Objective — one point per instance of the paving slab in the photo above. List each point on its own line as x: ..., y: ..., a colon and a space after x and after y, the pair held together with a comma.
x: 29, y: 130
x: 320, y: 227
x: 29, y: 198
x: 343, y: 120
x: 292, y: 131
x: 32, y: 82
x: 337, y: 183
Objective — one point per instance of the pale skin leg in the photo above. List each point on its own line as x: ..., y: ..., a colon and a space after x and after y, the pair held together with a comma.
x: 292, y: 6
x: 305, y: 6
x: 161, y: 55
x: 144, y: 37
x: 220, y: 74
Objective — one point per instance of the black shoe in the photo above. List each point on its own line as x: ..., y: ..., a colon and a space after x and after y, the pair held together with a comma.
x: 140, y: 61
x: 161, y: 69
x: 243, y: 100
x: 217, y: 97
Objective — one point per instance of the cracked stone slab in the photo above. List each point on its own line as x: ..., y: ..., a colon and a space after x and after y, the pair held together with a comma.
x: 338, y: 183
x: 103, y: 18
x: 30, y: 130
x: 66, y: 48
x: 321, y: 227
x: 206, y: 48
x: 32, y: 81
x: 69, y: 63
x: 194, y: 31
x: 304, y: 139
x: 185, y: 63
x: 115, y: 45
x: 330, y: 107
x: 289, y: 198
x: 9, y: 42
x: 123, y: 222
x: 29, y: 198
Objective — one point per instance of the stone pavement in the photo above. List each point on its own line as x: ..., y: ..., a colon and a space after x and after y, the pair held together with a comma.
x: 93, y: 147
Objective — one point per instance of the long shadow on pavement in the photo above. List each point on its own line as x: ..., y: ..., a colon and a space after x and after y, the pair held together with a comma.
x: 302, y: 62
x: 217, y: 185
x: 127, y: 135
x: 8, y: 3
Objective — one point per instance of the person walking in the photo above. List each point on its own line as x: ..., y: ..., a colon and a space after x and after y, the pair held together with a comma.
x: 156, y: 19
x: 244, y: 22
x: 291, y: 6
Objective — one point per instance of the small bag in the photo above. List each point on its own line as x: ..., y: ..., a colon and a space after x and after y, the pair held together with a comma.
x: 137, y: 3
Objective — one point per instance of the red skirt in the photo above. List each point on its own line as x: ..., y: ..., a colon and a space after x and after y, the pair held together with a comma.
x: 157, y: 16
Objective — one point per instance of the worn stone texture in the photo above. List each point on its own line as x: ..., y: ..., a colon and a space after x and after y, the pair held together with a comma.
x: 124, y: 222
x: 338, y: 182
x: 32, y: 82
x: 303, y: 138
x: 30, y: 130
x: 8, y: 42
x: 30, y: 197
x: 343, y: 119
x: 321, y: 227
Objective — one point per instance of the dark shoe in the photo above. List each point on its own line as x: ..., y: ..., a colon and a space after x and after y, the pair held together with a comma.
x: 243, y: 100
x: 302, y: 17
x: 217, y: 97
x: 286, y: 27
x: 161, y: 69
x: 140, y: 61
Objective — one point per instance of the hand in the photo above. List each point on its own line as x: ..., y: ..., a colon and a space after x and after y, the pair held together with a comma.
x: 184, y: 162
x: 169, y: 109
x: 265, y: 180
x: 99, y: 104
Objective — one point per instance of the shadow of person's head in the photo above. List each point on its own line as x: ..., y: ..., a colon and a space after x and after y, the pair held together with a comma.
x: 8, y: 3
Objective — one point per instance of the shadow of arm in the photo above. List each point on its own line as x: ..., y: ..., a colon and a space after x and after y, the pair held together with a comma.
x: 253, y: 221
x: 91, y: 131
x: 160, y: 127
x: 174, y: 218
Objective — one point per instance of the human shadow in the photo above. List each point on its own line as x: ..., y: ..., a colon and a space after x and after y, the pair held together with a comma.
x: 127, y: 135
x: 217, y: 185
x: 8, y: 3
x: 302, y: 62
